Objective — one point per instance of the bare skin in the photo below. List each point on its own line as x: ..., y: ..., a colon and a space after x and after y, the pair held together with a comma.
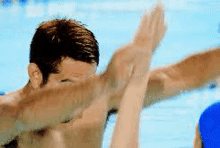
x: 191, y: 73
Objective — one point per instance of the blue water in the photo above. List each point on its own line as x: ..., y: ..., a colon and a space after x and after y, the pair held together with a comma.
x: 193, y: 26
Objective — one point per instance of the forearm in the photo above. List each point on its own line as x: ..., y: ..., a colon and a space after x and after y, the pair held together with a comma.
x: 190, y: 73
x: 126, y: 133
x: 51, y: 106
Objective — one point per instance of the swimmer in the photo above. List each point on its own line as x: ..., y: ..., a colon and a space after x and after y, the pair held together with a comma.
x: 46, y: 101
x: 141, y: 46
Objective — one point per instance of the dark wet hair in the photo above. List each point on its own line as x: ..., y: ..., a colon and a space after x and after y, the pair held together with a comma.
x: 60, y: 38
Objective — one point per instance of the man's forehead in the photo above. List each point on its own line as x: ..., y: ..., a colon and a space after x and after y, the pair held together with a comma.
x: 77, y: 68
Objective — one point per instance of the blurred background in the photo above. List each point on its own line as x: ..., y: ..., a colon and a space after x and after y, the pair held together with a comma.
x: 193, y: 26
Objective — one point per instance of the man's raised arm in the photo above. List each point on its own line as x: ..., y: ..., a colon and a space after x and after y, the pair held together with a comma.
x: 151, y: 31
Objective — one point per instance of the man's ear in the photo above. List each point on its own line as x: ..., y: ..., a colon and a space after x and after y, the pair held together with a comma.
x: 35, y: 75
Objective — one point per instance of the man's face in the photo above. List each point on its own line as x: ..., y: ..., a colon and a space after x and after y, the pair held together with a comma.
x: 71, y: 71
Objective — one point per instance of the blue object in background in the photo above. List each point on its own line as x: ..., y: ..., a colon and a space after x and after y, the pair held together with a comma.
x: 2, y: 93
x: 209, y: 126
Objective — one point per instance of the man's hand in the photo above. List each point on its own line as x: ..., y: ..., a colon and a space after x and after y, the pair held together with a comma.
x: 151, y: 30
x: 139, y: 51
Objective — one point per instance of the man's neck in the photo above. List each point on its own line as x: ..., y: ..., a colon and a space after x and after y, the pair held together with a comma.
x: 26, y: 90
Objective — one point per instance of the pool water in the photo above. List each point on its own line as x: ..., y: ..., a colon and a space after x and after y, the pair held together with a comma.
x: 193, y: 26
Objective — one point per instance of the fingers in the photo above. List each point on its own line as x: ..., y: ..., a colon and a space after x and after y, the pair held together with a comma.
x: 142, y: 33
x: 158, y: 27
x: 152, y: 28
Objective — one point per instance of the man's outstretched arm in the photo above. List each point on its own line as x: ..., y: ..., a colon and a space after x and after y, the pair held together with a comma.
x: 190, y: 73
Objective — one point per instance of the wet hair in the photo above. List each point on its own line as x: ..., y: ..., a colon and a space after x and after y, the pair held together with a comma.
x: 57, y: 39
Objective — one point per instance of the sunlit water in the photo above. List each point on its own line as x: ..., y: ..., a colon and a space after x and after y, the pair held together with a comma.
x: 193, y: 26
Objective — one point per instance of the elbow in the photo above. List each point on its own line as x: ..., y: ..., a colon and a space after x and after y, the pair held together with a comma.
x: 155, y: 89
x: 155, y: 83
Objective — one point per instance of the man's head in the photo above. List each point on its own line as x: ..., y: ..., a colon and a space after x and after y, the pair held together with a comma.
x: 62, y: 50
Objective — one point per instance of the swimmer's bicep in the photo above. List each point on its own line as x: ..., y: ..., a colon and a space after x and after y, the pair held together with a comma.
x: 200, y: 68
x: 4, y: 100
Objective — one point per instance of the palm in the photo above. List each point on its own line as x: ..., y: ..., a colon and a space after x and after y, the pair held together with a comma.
x: 139, y: 51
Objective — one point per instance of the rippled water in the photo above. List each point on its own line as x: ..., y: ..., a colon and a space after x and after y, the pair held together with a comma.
x: 193, y: 26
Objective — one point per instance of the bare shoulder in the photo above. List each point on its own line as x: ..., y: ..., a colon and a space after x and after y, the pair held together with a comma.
x: 4, y: 99
x: 10, y: 98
